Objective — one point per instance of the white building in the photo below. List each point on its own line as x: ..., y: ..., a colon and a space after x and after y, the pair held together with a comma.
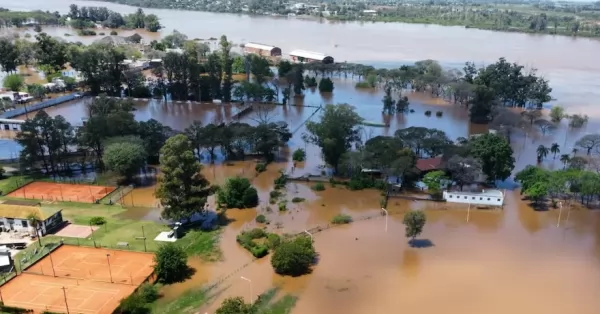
x: 485, y: 197
x: 16, y: 217
x: 302, y: 56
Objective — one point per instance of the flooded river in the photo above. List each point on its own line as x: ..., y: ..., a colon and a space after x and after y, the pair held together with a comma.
x: 569, y: 63
x: 514, y: 260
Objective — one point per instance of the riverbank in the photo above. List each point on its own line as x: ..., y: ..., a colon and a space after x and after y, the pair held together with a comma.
x: 492, y: 16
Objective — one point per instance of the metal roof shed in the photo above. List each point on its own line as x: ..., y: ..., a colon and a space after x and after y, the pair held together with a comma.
x: 303, y: 55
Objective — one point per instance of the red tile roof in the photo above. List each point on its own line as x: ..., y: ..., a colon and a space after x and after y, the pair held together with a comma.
x: 429, y: 164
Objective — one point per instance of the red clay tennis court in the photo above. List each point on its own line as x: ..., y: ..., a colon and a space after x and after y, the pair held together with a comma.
x: 62, y: 192
x: 91, y: 286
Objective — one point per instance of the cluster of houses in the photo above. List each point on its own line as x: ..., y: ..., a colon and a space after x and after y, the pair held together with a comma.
x: 298, y: 56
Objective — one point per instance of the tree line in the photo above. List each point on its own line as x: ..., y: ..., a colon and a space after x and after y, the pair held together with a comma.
x: 348, y: 150
x: 87, y: 17
x: 571, y: 19
x: 81, y: 18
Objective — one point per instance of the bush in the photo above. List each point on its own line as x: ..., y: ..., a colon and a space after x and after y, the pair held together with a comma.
x: 260, y: 167
x: 361, y: 182
x: 246, y: 240
x: 363, y: 85
x: 282, y: 206
x: 280, y: 181
x: 310, y: 81
x: 299, y: 155
x: 326, y: 85
x: 341, y: 219
x: 97, y: 221
x: 261, y: 219
x: 294, y: 257
x: 13, y: 309
x: 428, y: 113
x: 274, y: 194
x: 273, y: 241
x: 170, y: 263
x: 126, y: 157
x: 134, y: 304
x: 101, y: 34
x: 439, y: 113
x: 13, y: 82
x: 2, y: 172
x: 235, y: 305
x: 238, y: 193
x: 114, y: 33
x: 318, y: 187
x: 250, y: 197
x: 297, y: 200
x: 86, y: 32
x: 148, y: 292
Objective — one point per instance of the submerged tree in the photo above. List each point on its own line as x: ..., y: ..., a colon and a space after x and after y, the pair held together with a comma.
x: 336, y: 132
x: 183, y: 189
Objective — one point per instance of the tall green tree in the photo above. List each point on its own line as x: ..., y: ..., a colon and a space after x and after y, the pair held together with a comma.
x: 555, y: 149
x: 336, y: 132
x: 182, y: 189
x: 14, y: 82
x: 154, y: 135
x: 9, y: 55
x: 107, y: 117
x: 170, y: 263
x: 495, y: 154
x: 227, y: 64
x: 51, y: 54
x: 542, y: 151
x: 125, y: 158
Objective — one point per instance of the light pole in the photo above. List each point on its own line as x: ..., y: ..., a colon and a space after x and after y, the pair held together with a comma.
x: 250, y: 282
x: 386, y: 217
x: 109, y: 271
x: 309, y: 234
x: 52, y: 264
x: 65, y: 295
x: 559, y: 214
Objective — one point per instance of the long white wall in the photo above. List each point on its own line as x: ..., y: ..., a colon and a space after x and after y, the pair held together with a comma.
x: 473, y: 198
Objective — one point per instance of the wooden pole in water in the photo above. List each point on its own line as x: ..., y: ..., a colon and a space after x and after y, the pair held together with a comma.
x: 559, y: 214
x: 386, y: 218
x: 468, y: 212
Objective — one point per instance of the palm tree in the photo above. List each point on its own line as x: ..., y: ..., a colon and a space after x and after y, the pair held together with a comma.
x: 542, y: 152
x: 34, y: 221
x: 554, y: 149
x: 565, y: 158
x: 574, y: 151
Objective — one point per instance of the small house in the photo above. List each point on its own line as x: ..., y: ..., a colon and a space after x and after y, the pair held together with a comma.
x: 16, y: 217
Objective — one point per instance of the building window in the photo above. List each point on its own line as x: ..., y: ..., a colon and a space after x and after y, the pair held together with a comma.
x: 498, y: 200
x: 473, y: 197
x: 450, y: 196
x: 24, y: 223
x: 488, y: 198
x: 481, y: 198
x: 465, y: 197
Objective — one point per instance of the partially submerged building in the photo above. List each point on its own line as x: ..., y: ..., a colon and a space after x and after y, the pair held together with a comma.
x: 262, y: 50
x: 489, y: 197
x: 303, y: 56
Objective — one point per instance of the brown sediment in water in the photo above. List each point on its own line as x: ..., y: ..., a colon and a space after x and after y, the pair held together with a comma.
x: 487, y: 265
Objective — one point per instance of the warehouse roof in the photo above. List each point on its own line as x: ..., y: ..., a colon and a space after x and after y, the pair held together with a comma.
x: 259, y: 46
x: 308, y: 54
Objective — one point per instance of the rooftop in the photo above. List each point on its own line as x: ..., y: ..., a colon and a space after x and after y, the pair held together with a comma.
x: 487, y: 193
x: 259, y: 46
x: 308, y: 54
x: 22, y: 212
x: 429, y: 163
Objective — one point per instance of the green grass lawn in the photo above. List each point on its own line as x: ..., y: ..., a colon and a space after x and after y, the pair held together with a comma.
x: 117, y: 229
x: 11, y: 183
x: 189, y: 302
